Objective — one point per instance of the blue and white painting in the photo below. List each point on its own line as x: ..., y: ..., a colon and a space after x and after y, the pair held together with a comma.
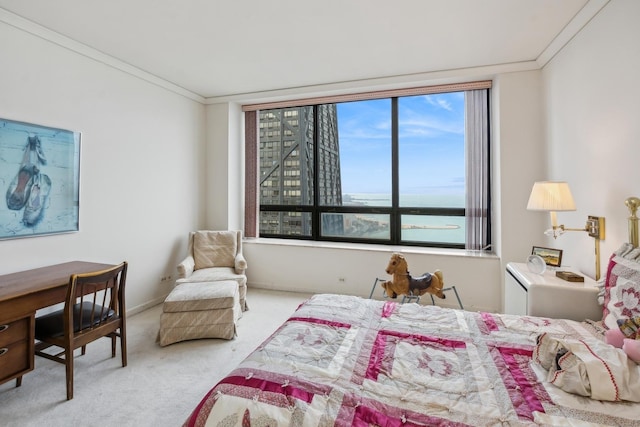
x: 39, y: 176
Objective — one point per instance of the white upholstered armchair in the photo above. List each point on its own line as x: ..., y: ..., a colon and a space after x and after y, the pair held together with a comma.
x: 214, y: 256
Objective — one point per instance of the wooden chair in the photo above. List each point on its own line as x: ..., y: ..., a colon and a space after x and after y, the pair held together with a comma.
x: 94, y: 308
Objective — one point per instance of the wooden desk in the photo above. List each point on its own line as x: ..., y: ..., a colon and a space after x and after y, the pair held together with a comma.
x: 21, y: 294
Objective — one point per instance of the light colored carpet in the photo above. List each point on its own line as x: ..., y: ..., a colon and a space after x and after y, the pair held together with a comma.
x: 160, y: 385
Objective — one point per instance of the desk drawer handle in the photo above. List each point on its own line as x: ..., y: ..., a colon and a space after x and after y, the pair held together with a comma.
x: 4, y: 328
x: 3, y: 350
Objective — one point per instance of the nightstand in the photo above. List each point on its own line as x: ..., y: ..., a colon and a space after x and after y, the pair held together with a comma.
x: 546, y: 295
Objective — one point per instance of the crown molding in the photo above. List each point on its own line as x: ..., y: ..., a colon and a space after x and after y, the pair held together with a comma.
x: 65, y: 42
x: 582, y: 18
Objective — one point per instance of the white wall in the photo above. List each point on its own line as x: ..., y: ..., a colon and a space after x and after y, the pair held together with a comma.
x: 518, y: 141
x: 225, y: 158
x: 352, y: 269
x: 142, y: 162
x: 593, y: 128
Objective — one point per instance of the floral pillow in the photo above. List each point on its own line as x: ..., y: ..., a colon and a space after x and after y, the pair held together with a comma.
x: 622, y: 288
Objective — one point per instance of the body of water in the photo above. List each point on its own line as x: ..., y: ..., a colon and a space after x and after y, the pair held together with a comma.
x: 421, y: 228
x: 406, y: 200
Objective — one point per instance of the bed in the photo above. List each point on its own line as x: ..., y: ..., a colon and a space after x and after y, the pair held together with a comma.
x: 349, y: 361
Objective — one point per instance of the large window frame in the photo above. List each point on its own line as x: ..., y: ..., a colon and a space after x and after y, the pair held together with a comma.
x: 477, y: 207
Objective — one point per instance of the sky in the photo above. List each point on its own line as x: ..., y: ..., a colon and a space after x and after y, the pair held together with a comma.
x: 431, y: 144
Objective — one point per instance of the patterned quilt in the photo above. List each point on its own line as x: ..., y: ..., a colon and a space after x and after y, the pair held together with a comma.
x: 348, y: 361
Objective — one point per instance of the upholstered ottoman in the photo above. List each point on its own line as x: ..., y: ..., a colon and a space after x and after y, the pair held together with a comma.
x: 200, y: 310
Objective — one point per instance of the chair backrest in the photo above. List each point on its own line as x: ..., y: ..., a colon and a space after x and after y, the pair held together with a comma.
x: 94, y: 301
x: 211, y: 248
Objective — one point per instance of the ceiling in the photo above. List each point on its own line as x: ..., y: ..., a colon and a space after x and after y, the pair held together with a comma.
x: 215, y: 48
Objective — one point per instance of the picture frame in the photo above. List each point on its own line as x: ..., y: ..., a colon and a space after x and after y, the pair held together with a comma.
x: 552, y: 257
x: 39, y: 178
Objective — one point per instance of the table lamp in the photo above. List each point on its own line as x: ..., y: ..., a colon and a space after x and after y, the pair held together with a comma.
x: 555, y: 196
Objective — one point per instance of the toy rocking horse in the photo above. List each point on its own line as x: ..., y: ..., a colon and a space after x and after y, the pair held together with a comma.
x: 404, y: 284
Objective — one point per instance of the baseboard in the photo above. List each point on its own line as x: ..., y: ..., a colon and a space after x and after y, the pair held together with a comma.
x: 145, y: 306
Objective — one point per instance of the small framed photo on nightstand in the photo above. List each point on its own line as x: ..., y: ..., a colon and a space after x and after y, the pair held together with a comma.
x: 551, y: 257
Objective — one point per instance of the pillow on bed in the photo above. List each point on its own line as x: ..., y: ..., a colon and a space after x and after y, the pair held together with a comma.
x: 622, y: 286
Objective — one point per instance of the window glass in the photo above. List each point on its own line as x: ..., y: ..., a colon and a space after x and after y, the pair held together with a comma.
x: 364, y: 130
x: 286, y: 156
x: 285, y: 223
x: 357, y: 226
x: 431, y: 150
x: 389, y: 170
x: 433, y: 229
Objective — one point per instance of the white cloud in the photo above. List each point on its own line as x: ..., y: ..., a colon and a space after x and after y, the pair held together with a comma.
x: 440, y: 102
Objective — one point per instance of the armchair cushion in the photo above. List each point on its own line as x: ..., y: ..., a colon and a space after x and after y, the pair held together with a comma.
x: 214, y: 249
x: 213, y: 275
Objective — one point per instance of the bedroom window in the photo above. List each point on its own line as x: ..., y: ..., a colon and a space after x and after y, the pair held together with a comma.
x: 401, y: 167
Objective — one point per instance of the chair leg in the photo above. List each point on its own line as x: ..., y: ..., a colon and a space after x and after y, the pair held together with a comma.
x: 113, y: 345
x: 19, y: 381
x: 123, y: 343
x: 68, y: 362
x: 84, y: 350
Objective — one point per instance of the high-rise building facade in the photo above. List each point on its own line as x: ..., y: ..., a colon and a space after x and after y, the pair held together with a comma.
x: 287, y: 153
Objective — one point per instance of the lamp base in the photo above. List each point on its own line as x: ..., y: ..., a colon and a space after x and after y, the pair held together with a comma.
x: 595, y: 227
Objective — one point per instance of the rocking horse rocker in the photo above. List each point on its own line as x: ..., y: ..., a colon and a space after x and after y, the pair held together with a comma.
x: 405, y: 284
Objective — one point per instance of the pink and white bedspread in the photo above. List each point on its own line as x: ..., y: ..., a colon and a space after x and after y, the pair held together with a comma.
x: 348, y: 361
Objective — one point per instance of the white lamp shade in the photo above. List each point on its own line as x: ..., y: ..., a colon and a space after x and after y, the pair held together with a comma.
x: 551, y: 196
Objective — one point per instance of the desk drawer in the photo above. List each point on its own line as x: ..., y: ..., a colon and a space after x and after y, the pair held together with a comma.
x: 14, y: 331
x: 13, y: 359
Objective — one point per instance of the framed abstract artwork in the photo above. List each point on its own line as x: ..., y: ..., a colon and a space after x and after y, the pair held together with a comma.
x: 40, y: 179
